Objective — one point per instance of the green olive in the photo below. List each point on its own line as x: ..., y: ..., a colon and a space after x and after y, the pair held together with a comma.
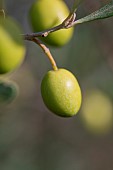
x: 45, y: 14
x: 61, y: 92
x: 12, y: 48
x: 97, y: 112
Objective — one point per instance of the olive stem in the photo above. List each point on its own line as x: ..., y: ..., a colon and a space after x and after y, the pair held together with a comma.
x: 47, y: 52
x: 42, y: 33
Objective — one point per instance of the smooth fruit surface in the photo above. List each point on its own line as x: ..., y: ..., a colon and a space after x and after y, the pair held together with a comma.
x: 97, y: 112
x: 12, y: 49
x: 46, y: 14
x: 61, y: 92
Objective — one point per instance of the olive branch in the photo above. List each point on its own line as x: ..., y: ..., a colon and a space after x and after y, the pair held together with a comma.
x: 104, y: 12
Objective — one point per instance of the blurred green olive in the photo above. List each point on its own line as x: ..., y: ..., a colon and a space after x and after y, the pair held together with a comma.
x: 45, y: 14
x: 97, y: 112
x: 12, y: 48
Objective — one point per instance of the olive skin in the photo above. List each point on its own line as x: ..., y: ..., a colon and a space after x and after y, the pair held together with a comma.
x: 45, y: 14
x: 61, y: 92
x: 12, y: 48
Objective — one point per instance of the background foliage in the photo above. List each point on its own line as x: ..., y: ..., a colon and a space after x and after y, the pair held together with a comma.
x: 33, y: 138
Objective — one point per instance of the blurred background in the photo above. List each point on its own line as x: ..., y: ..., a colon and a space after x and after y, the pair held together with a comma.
x: 33, y: 138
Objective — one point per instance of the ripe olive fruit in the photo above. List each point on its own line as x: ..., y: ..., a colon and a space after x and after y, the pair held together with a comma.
x: 61, y: 92
x: 97, y: 112
x: 12, y: 49
x: 46, y: 14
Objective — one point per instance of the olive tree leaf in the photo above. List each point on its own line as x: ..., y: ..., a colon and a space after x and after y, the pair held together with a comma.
x: 104, y: 12
x: 8, y: 91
